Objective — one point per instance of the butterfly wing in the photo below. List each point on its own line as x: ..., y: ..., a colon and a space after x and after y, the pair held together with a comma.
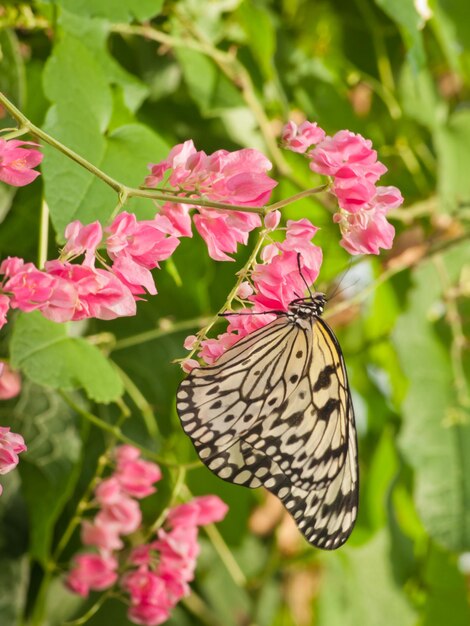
x: 275, y: 411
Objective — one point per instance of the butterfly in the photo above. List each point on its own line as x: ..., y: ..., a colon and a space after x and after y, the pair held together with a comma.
x: 275, y: 410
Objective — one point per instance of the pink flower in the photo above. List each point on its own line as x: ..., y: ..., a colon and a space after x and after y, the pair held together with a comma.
x: 299, y: 139
x: 4, y: 307
x: 105, y: 537
x: 178, y: 551
x: 346, y: 148
x: 178, y: 218
x: 222, y: 230
x: 10, y: 383
x: 148, y: 614
x: 142, y: 555
x: 126, y: 452
x: 98, y: 293
x: 11, y: 444
x: 187, y: 365
x: 367, y: 230
x: 16, y: 162
x: 272, y: 219
x: 83, y: 240
x: 136, y: 247
x: 190, y: 342
x: 353, y: 192
x: 212, y: 349
x: 108, y: 491
x: 278, y: 281
x: 137, y: 477
x: 139, y: 240
x: 32, y: 289
x: 176, y: 160
x: 123, y: 516
x: 144, y: 586
x: 198, y: 512
x: 238, y: 177
x: 91, y: 571
x: 244, y: 290
x: 8, y: 460
x: 11, y: 440
x: 11, y: 266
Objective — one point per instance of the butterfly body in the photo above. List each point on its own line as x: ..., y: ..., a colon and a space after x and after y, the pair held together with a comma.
x: 275, y: 411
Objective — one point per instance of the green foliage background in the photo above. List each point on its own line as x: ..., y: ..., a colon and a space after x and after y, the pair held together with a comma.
x: 122, y: 82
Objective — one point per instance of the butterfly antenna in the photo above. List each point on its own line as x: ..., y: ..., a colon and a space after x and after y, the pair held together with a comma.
x: 303, y: 277
x: 336, y: 290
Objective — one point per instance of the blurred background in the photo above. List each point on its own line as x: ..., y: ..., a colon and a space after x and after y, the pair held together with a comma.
x: 121, y: 83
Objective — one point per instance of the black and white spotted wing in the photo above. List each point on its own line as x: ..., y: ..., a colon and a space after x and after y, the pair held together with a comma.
x: 275, y: 411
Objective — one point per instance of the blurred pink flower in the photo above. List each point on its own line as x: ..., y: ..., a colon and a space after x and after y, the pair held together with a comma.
x: 103, y: 536
x: 126, y: 452
x: 198, y: 511
x: 123, y: 515
x: 137, y: 477
x: 190, y: 342
x: 11, y: 444
x: 367, y: 230
x: 148, y: 614
x: 187, y: 365
x: 10, y: 383
x: 92, y: 571
x: 300, y: 138
x: 16, y: 162
x: 108, y: 491
x: 4, y: 308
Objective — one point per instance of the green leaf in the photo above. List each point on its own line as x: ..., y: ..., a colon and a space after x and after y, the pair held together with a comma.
x: 49, y: 469
x: 419, y: 97
x: 208, y: 87
x: 452, y: 143
x: 13, y: 583
x: 124, y: 10
x: 358, y: 588
x: 43, y: 351
x: 12, y: 74
x: 433, y: 443
x: 405, y: 15
x: 446, y: 587
x: 73, y: 78
x: 14, y: 572
x: 260, y: 34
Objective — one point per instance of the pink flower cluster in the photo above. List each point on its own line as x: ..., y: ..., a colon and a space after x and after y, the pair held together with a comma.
x: 352, y: 163
x: 233, y: 177
x: 11, y: 444
x: 274, y: 283
x: 155, y: 575
x: 66, y: 291
x: 119, y: 514
x: 17, y: 162
x: 163, y: 568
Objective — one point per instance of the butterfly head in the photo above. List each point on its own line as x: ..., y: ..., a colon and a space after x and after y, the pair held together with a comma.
x: 305, y: 308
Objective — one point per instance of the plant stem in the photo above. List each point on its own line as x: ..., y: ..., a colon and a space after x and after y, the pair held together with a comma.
x: 150, y: 335
x: 43, y: 234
